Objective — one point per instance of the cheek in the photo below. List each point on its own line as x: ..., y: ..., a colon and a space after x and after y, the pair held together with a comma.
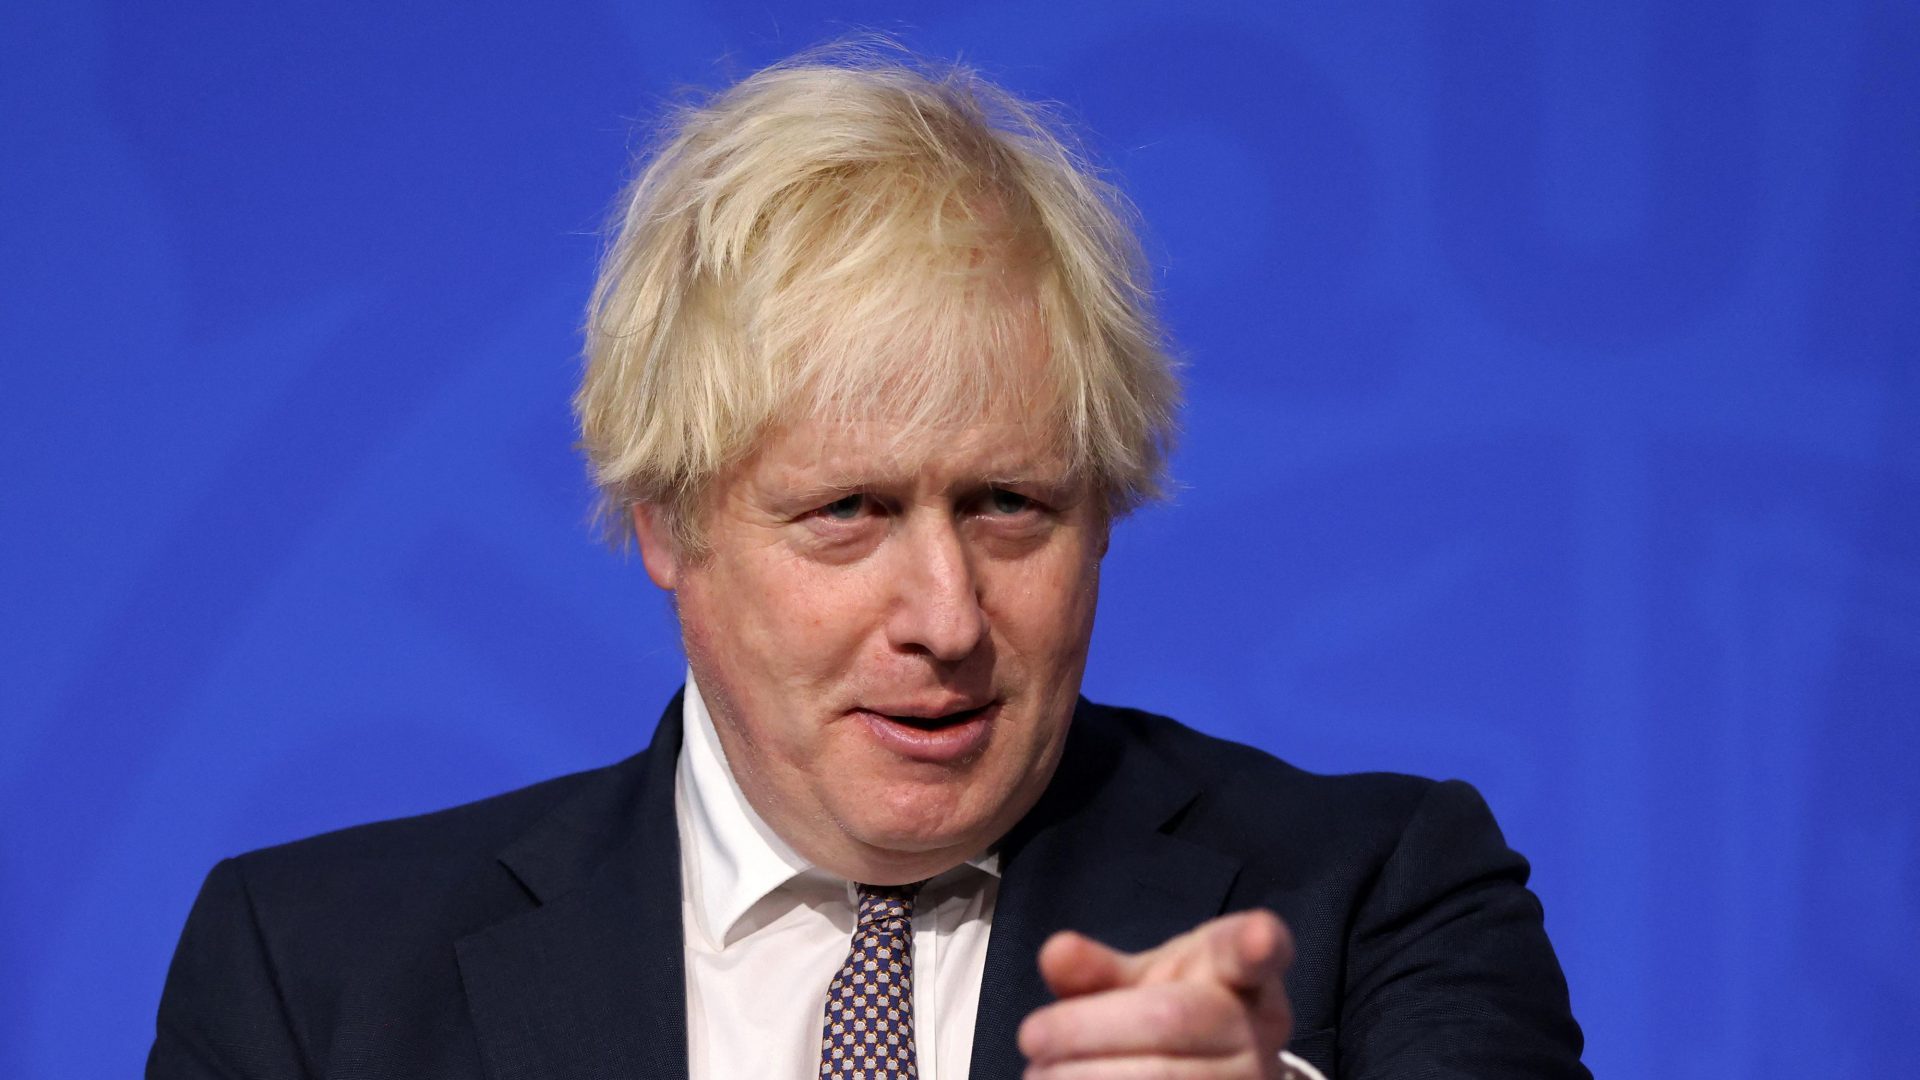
x: 1047, y: 610
x: 798, y: 634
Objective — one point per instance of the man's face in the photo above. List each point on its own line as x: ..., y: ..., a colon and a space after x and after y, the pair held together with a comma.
x: 891, y: 638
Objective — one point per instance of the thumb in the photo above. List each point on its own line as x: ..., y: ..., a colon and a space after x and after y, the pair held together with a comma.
x: 1248, y: 950
x: 1075, y: 964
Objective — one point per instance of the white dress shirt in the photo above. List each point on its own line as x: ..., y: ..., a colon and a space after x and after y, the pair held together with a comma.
x: 765, y: 931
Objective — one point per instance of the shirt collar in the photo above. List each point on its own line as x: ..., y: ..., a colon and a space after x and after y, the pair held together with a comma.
x: 737, y: 857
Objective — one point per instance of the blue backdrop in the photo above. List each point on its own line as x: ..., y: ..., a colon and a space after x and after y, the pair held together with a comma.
x: 1553, y: 425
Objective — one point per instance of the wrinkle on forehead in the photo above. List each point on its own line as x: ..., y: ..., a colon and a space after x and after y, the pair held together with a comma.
x: 852, y: 454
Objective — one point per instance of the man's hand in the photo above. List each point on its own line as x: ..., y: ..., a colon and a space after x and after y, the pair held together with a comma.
x: 1209, y: 1003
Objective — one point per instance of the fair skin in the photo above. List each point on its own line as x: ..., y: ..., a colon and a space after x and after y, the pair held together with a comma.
x: 890, y: 635
x: 1210, y: 1004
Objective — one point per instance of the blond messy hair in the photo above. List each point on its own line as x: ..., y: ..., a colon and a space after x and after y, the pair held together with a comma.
x: 854, y: 232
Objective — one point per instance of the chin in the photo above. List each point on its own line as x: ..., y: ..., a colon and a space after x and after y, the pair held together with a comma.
x: 918, y: 841
x: 922, y: 833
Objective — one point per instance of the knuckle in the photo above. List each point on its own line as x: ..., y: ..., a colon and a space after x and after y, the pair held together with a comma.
x: 1165, y: 1013
x: 1196, y: 1012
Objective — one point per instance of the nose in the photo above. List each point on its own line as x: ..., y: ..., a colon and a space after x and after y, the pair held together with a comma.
x: 936, y: 603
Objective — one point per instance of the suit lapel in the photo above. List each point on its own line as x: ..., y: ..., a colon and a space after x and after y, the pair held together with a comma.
x: 591, y: 982
x: 1091, y: 857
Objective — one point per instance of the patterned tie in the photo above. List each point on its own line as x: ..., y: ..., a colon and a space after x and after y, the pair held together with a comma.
x: 868, y: 1033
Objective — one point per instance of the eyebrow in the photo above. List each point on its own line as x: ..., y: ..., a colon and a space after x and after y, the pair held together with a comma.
x: 1054, y: 481
x: 841, y: 482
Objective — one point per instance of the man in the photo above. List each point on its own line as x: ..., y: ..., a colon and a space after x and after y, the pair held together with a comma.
x: 872, y: 370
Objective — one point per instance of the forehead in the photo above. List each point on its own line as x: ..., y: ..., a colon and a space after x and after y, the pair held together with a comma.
x: 888, y: 452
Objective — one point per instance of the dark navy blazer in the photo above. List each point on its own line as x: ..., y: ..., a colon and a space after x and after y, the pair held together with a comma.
x: 537, y: 934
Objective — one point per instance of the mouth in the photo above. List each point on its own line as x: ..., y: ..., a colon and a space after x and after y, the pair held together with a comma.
x: 940, y: 737
x: 934, y: 722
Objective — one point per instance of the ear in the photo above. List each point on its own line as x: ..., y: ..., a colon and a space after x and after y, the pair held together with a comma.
x: 658, y: 550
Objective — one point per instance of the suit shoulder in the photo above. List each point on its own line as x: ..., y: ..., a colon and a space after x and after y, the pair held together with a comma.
x: 1273, y: 814
x: 443, y: 844
x: 382, y: 905
x: 1235, y: 770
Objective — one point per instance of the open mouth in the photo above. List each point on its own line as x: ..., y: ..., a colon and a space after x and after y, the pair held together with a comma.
x: 946, y: 739
x: 935, y: 723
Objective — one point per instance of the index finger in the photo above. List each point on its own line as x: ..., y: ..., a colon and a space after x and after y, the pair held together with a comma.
x: 1074, y: 964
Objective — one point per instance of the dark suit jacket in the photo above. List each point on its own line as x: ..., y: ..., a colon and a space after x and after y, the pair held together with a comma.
x: 537, y: 934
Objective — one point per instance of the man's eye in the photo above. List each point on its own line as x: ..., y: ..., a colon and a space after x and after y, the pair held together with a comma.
x: 1008, y: 502
x: 844, y: 509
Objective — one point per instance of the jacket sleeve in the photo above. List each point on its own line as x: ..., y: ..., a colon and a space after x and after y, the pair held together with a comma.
x: 1449, y: 971
x: 222, y: 1014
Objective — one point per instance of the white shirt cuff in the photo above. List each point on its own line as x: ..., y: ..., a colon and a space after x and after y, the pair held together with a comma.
x: 1297, y: 1069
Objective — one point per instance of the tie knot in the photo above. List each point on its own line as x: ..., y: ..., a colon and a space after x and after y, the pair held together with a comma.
x: 879, y: 903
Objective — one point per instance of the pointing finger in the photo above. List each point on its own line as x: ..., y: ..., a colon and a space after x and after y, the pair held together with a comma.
x: 1187, y: 1019
x: 1074, y: 964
